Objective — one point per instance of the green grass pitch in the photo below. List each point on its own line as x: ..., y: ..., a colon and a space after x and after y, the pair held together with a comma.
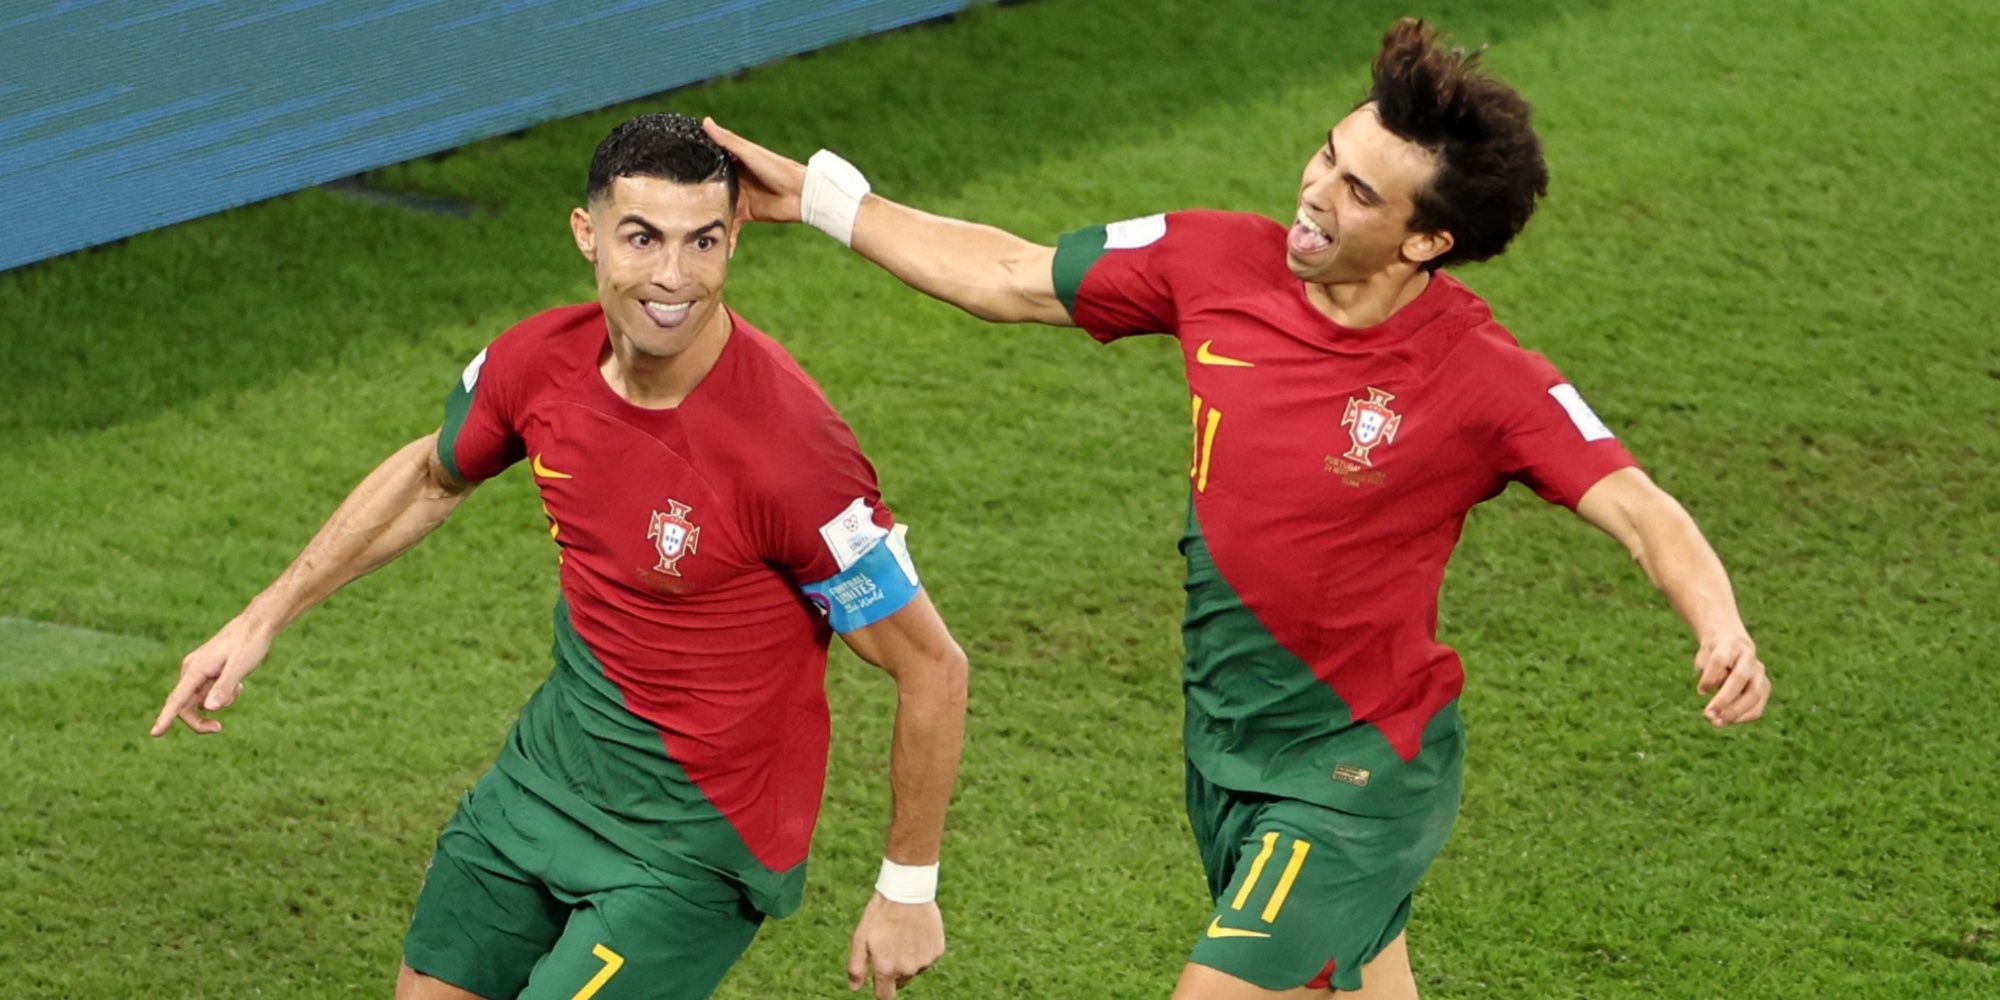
x: 1765, y: 258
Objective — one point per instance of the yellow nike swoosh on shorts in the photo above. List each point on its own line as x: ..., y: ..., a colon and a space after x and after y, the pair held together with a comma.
x: 1208, y: 357
x: 543, y: 471
x: 1216, y: 930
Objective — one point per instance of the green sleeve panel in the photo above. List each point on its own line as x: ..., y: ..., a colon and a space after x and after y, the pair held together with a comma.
x: 456, y: 407
x: 1076, y: 253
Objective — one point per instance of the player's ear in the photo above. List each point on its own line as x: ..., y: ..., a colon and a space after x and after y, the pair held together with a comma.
x: 586, y: 237
x: 735, y: 231
x: 1421, y: 247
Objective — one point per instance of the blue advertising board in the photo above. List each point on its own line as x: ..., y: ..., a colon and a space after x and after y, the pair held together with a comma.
x: 118, y: 116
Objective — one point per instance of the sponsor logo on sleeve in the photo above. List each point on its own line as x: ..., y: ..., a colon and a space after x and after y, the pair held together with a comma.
x: 1132, y: 234
x: 1580, y: 413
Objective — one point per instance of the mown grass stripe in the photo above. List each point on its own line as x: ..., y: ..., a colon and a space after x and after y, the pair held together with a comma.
x: 30, y: 649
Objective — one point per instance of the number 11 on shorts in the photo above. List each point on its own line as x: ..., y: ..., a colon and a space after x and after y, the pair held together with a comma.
x: 1284, y: 888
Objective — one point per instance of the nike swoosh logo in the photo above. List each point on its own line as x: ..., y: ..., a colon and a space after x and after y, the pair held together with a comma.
x: 543, y: 471
x: 1208, y: 357
x: 1216, y: 930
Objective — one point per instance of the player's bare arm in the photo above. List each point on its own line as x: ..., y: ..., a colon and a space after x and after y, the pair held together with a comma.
x: 985, y: 271
x: 1665, y: 541
x: 894, y: 941
x: 404, y: 499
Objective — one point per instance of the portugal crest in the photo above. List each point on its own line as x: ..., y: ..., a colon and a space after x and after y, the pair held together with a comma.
x: 1369, y: 422
x: 673, y: 535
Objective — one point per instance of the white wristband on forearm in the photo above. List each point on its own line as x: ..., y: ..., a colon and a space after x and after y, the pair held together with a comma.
x: 907, y: 883
x: 832, y: 196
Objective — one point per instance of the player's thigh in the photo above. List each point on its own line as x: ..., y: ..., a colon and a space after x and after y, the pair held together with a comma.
x: 1315, y: 895
x: 414, y: 985
x: 1386, y: 977
x: 481, y: 922
x: 643, y: 943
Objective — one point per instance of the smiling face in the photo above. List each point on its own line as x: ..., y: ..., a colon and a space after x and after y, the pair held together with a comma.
x: 660, y: 249
x: 1356, y: 197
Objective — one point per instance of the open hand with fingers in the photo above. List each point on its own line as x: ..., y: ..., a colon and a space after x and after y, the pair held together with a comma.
x: 772, y: 184
x: 212, y: 676
x: 892, y: 943
x: 1727, y: 667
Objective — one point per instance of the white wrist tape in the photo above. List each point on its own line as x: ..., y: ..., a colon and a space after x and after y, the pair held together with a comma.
x: 907, y: 883
x: 832, y: 196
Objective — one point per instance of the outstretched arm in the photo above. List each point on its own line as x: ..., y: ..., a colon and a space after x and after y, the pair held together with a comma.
x: 896, y: 940
x: 985, y: 271
x: 1665, y: 541
x: 391, y: 510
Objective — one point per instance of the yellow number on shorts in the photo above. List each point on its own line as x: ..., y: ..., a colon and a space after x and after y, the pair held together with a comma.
x: 612, y: 963
x: 1284, y: 889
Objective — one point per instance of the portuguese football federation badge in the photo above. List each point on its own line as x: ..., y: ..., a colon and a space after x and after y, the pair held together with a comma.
x: 1369, y: 422
x: 674, y: 535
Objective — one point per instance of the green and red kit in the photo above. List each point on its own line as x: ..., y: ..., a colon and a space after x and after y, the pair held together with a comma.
x: 707, y: 553
x: 1331, y: 472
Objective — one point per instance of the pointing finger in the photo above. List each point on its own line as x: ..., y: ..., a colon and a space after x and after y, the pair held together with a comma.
x: 180, y: 700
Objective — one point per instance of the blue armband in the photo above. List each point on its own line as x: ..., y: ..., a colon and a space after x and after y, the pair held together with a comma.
x: 877, y: 584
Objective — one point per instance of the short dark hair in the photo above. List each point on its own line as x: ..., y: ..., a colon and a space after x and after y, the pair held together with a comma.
x: 1489, y: 160
x: 664, y: 145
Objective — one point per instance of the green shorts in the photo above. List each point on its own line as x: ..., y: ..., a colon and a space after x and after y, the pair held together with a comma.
x: 522, y: 901
x: 1306, y: 895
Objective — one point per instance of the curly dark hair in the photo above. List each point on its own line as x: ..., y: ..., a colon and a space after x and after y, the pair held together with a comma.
x: 1490, y: 169
x: 661, y: 144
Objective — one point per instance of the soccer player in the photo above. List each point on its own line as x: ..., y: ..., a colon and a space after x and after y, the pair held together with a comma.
x: 714, y: 523
x: 1351, y: 401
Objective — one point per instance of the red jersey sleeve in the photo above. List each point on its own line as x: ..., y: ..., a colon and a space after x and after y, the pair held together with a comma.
x: 1120, y: 279
x: 820, y: 509
x: 1548, y: 436
x: 478, y: 439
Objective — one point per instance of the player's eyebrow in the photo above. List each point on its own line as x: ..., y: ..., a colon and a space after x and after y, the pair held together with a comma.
x: 1368, y: 192
x: 640, y: 221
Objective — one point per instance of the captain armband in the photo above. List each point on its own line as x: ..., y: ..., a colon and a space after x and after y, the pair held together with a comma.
x: 878, y: 582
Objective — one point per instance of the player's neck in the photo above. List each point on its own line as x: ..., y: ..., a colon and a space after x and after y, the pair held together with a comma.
x: 659, y: 383
x: 1371, y: 300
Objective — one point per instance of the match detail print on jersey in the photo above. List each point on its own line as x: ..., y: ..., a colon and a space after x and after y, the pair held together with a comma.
x: 877, y: 577
x: 1132, y: 234
x: 1580, y: 413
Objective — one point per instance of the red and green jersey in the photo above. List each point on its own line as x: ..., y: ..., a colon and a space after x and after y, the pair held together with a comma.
x: 706, y: 554
x: 1331, y: 472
